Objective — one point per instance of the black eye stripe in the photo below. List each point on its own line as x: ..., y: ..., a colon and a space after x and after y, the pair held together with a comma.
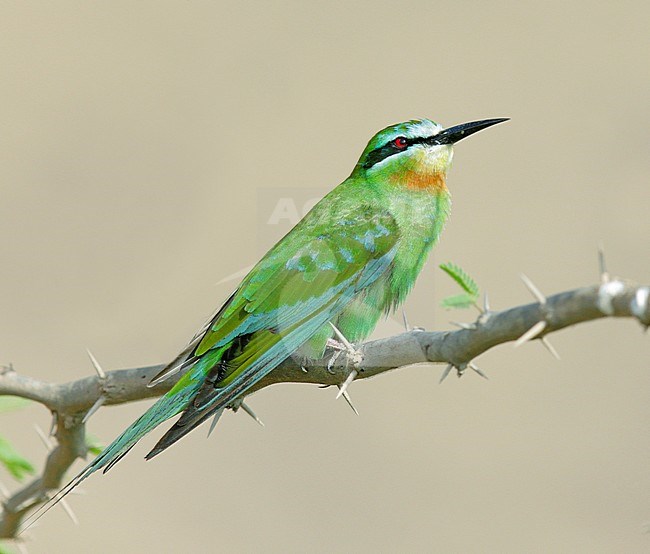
x: 389, y: 149
x: 381, y: 153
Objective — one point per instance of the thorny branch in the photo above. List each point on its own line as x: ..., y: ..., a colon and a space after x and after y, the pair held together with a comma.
x: 71, y: 403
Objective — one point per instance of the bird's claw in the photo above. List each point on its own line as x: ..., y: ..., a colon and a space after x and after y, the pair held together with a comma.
x: 332, y: 361
x: 352, y: 355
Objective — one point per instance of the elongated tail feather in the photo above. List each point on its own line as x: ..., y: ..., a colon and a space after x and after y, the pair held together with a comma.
x: 172, y: 403
x: 176, y: 433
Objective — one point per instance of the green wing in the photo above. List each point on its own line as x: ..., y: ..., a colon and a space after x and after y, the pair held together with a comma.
x: 300, y: 285
x: 290, y: 283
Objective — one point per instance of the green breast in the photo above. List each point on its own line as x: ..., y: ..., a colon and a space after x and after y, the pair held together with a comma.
x: 421, y: 216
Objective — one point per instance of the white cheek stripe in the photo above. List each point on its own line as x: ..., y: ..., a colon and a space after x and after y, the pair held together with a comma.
x: 606, y: 294
x: 639, y: 304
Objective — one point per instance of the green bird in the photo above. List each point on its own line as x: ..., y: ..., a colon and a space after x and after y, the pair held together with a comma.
x: 351, y: 260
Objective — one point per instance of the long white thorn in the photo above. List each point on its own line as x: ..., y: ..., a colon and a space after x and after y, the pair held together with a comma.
x: 68, y: 510
x: 44, y: 439
x: 531, y: 333
x: 533, y: 289
x: 407, y: 327
x: 344, y: 386
x: 550, y: 348
x: 215, y: 420
x: 98, y: 404
x: 251, y: 413
x: 341, y: 337
x: 446, y: 372
x: 486, y: 303
x: 346, y: 395
x: 604, y: 275
x: 100, y: 372
x: 477, y: 370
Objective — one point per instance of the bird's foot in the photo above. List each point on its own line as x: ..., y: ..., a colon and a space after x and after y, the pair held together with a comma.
x: 353, y: 357
x: 342, y: 346
x: 304, y: 363
x: 339, y: 349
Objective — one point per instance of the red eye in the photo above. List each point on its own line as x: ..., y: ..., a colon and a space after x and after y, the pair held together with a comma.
x: 400, y: 142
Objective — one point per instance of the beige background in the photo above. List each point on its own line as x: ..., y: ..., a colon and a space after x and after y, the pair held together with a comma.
x: 140, y: 145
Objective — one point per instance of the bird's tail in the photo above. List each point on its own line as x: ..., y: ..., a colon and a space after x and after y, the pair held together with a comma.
x: 172, y: 403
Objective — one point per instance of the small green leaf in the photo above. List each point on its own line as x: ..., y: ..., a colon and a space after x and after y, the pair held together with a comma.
x: 9, y: 403
x: 94, y: 445
x: 463, y: 279
x: 14, y: 463
x: 458, y: 301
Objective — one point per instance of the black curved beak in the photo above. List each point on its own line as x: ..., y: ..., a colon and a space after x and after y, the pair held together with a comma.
x: 459, y: 132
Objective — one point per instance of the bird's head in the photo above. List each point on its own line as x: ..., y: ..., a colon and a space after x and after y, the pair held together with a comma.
x: 416, y: 153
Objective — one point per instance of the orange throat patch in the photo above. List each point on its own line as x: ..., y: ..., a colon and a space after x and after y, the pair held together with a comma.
x: 433, y: 181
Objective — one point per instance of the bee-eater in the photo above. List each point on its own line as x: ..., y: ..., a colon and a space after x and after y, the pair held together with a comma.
x: 353, y: 258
